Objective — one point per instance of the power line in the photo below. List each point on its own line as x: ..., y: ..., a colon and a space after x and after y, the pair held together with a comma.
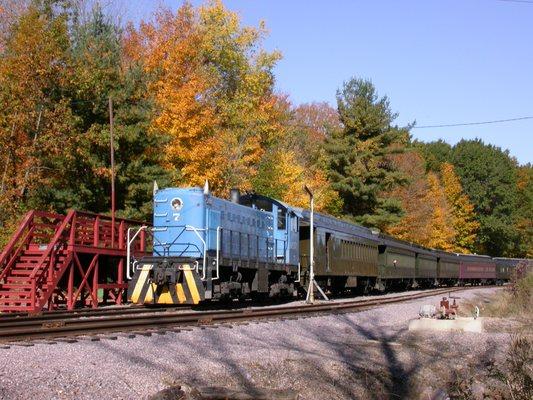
x: 472, y: 123
x: 518, y: 1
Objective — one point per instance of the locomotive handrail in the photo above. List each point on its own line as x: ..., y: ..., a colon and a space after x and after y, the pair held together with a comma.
x: 129, y: 242
x: 128, y: 247
x: 195, y: 230
x: 219, y: 228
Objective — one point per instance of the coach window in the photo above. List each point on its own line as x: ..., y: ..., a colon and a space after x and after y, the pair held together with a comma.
x: 294, y: 224
x: 282, y: 219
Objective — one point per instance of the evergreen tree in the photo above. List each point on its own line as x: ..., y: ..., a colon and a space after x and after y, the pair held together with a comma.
x: 525, y: 210
x: 80, y: 177
x: 489, y: 178
x: 359, y: 166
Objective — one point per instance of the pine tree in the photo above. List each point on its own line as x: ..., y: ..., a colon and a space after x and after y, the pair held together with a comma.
x: 463, y: 216
x: 358, y: 156
x: 79, y: 176
x: 524, y: 223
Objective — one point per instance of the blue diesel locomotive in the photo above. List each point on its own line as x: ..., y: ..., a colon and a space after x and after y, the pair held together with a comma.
x: 206, y: 248
x: 253, y: 246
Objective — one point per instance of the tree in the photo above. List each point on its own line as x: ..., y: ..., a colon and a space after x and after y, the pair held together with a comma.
x: 312, y: 124
x: 489, y: 178
x: 524, y: 222
x: 463, y: 217
x: 413, y: 225
x: 35, y: 121
x: 441, y: 233
x: 57, y: 76
x: 102, y: 70
x: 435, y: 154
x: 213, y: 89
x: 358, y: 156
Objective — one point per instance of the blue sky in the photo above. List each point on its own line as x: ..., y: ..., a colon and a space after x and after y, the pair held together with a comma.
x: 439, y: 61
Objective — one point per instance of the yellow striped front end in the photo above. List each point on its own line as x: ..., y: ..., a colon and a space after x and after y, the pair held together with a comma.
x: 188, y: 288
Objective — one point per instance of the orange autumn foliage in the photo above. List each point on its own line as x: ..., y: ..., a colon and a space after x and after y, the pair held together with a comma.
x: 462, y: 211
x: 213, y: 89
x: 428, y: 218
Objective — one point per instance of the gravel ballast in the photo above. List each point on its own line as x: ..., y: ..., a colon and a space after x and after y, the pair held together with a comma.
x: 368, y: 354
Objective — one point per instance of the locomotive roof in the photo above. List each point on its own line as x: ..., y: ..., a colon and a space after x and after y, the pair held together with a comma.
x: 254, y: 196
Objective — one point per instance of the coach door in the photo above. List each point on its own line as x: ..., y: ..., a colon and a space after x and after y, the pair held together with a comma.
x: 280, y: 233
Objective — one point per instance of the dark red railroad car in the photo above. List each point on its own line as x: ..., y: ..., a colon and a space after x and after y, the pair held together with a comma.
x: 476, y: 268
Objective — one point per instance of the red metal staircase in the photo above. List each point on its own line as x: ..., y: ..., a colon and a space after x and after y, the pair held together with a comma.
x: 54, y: 260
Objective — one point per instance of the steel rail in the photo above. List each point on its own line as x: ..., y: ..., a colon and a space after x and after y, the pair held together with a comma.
x: 158, y: 320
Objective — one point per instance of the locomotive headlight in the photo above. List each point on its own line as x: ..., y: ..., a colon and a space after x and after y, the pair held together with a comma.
x: 177, y: 204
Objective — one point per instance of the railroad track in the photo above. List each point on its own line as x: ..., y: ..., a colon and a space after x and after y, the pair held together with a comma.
x: 146, y: 321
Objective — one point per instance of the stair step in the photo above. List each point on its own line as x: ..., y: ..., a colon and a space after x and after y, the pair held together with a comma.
x: 16, y: 285
x: 17, y: 279
x: 15, y: 302
x: 15, y: 299
x: 22, y: 272
x: 24, y: 268
x: 19, y: 265
x: 34, y: 251
x: 7, y: 293
x: 8, y: 309
x: 28, y: 258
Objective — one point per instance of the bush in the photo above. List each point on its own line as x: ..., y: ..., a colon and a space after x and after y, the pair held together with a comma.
x: 521, y: 288
x: 516, y: 373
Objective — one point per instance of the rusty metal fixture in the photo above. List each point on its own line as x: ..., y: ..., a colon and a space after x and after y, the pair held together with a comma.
x: 447, y: 310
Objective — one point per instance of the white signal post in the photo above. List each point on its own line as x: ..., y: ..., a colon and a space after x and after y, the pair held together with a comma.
x: 311, y: 292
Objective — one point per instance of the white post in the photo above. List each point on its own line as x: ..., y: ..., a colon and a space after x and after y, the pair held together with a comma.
x: 310, y: 292
x: 312, y: 283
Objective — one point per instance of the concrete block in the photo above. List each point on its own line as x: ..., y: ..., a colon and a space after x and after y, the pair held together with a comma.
x: 458, y: 325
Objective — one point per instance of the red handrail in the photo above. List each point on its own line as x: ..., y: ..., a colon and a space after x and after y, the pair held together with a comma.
x: 52, y: 244
x: 8, y: 250
x: 16, y: 253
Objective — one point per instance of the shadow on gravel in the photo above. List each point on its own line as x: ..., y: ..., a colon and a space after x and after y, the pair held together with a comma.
x: 342, y: 360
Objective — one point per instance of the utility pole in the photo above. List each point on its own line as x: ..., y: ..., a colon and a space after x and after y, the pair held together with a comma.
x: 112, y: 172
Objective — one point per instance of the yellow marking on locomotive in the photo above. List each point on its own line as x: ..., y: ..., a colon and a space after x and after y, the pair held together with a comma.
x: 165, y: 297
x: 181, y: 294
x: 140, y: 283
x: 149, y: 297
x: 192, y: 286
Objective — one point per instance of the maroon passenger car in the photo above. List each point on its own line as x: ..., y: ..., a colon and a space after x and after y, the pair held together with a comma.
x: 475, y: 268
